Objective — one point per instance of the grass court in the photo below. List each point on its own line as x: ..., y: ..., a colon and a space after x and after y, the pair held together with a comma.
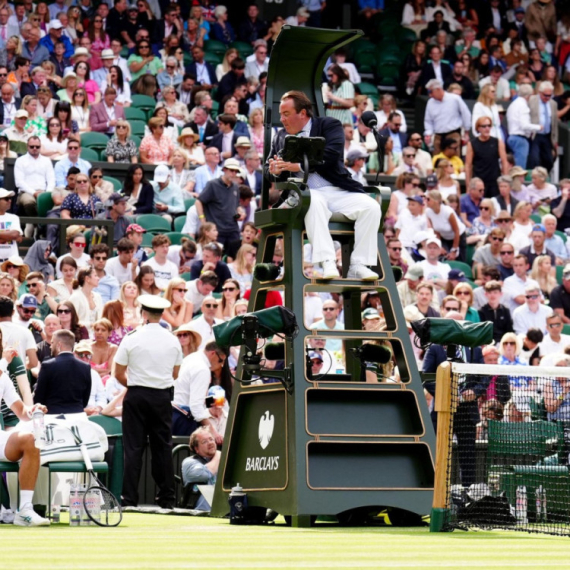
x: 159, y: 541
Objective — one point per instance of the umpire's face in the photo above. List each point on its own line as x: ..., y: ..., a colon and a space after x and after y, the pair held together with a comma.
x: 292, y: 121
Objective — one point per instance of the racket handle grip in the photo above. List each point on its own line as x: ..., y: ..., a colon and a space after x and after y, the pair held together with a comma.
x: 86, y: 458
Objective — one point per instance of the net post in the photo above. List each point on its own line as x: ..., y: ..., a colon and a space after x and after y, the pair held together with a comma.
x: 443, y: 407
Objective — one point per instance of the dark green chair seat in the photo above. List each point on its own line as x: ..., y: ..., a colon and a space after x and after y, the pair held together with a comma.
x: 176, y: 237
x: 45, y: 203
x: 91, y: 155
x: 186, y: 276
x: 365, y: 62
x: 215, y: 46
x: 462, y: 267
x: 245, y: 49
x: 117, y: 185
x: 115, y: 458
x: 8, y: 467
x: 138, y: 128
x: 153, y: 223
x: 188, y: 203
x: 132, y: 113
x: 179, y: 223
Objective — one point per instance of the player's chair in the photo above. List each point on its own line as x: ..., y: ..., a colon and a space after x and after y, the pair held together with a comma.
x: 179, y: 454
x: 7, y: 467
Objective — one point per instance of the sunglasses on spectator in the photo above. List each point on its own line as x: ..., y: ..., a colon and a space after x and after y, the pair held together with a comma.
x: 170, y: 67
x: 183, y: 335
x: 463, y: 293
x: 211, y: 305
x: 229, y: 288
x: 28, y: 311
x: 503, y: 221
x: 180, y: 289
x: 34, y: 146
x: 484, y: 208
x: 396, y: 248
x: 495, y: 238
x: 451, y: 308
x: 509, y: 343
x: 532, y: 296
x: 409, y: 156
x: 96, y: 176
x: 485, y: 126
x: 63, y: 311
x: 100, y: 258
x: 507, y: 252
x: 78, y: 244
x: 82, y: 181
x: 85, y: 355
x: 10, y: 266
x: 33, y: 284
x: 73, y: 148
x: 329, y: 309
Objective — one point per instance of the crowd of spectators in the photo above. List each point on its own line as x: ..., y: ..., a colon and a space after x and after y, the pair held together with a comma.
x: 476, y: 221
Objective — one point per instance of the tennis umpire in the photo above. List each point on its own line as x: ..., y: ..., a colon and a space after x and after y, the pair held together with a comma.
x: 147, y: 362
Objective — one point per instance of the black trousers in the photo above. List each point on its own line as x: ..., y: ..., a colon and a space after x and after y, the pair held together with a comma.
x: 147, y: 413
x: 226, y: 238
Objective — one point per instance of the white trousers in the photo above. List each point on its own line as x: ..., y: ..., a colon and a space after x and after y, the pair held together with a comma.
x: 361, y: 208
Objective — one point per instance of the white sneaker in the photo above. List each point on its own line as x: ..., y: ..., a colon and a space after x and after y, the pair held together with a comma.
x: 361, y: 272
x: 330, y: 270
x: 6, y: 516
x: 29, y: 517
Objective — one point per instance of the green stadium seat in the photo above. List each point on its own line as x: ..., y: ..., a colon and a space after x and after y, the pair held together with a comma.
x: 537, y: 219
x: 213, y: 58
x: 45, y: 203
x: 153, y: 223
x: 136, y: 140
x: 362, y: 45
x: 147, y: 240
x: 132, y: 113
x: 188, y: 203
x: 95, y: 141
x: 243, y: 48
x: 406, y: 36
x: 562, y: 235
x: 559, y: 271
x: 215, y: 46
x: 388, y: 58
x: 186, y: 276
x: 144, y: 102
x: 138, y: 128
x: 117, y: 184
x: 367, y: 89
x: 565, y: 329
x: 179, y: 223
x: 365, y: 62
x: 175, y: 237
x: 462, y: 267
x: 90, y: 154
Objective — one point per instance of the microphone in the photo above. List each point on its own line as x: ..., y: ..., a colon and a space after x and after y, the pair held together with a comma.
x: 372, y: 353
x: 266, y: 272
x: 275, y: 351
x: 369, y: 119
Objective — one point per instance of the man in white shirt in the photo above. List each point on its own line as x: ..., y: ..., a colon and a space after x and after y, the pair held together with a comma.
x: 204, y: 324
x: 10, y: 230
x: 435, y: 272
x: 209, y: 171
x: 532, y: 314
x: 191, y: 389
x: 13, y: 335
x: 33, y: 174
x: 410, y: 221
x: 445, y: 115
x: 164, y: 270
x: 123, y: 267
x: 554, y: 342
x: 502, y: 87
x: 515, y: 285
x: 259, y: 64
x: 26, y: 308
x: 299, y: 19
x: 520, y: 127
x: 355, y: 161
x: 423, y: 158
x: 200, y: 288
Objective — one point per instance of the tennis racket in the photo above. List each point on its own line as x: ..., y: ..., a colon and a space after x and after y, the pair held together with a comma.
x: 101, y: 506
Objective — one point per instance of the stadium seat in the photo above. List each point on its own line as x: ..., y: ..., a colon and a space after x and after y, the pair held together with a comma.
x: 406, y: 36
x: 95, y: 141
x: 138, y: 128
x: 144, y: 102
x: 184, y: 497
x: 215, y: 46
x: 362, y: 45
x: 213, y: 58
x: 462, y: 267
x: 188, y: 203
x: 559, y: 272
x: 388, y: 58
x: 365, y: 62
x: 136, y: 140
x: 175, y: 237
x: 117, y: 185
x: 147, y: 240
x: 367, y: 89
x: 132, y: 113
x: 8, y: 467
x: 179, y: 223
x: 566, y: 329
x: 562, y: 235
x: 536, y: 218
x: 91, y: 155
x: 245, y: 49
x: 45, y: 203
x: 154, y: 223
x: 186, y: 276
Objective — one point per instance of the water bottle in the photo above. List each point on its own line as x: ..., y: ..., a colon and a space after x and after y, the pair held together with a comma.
x: 292, y: 201
x: 238, y: 505
x: 521, y: 505
x: 39, y: 428
x: 74, y: 505
x: 85, y: 520
x: 540, y: 504
x: 96, y: 501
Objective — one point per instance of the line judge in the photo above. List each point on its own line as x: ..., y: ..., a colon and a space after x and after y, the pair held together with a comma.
x: 152, y: 356
x: 332, y: 189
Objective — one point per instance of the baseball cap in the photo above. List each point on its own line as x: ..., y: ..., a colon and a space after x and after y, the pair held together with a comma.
x: 22, y: 113
x: 83, y: 346
x: 231, y: 164
x: 243, y: 141
x: 566, y: 271
x: 538, y: 228
x: 370, y: 313
x: 219, y: 395
x: 115, y: 198
x: 303, y: 12
x: 6, y: 193
x: 456, y: 275
x: 519, y: 10
x: 433, y: 239
x: 27, y: 301
x: 417, y: 199
x: 316, y: 355
x: 107, y: 54
x: 55, y: 25
x: 415, y: 272
x: 422, y: 235
x: 135, y: 228
x: 355, y: 154
x: 431, y: 181
x: 161, y: 173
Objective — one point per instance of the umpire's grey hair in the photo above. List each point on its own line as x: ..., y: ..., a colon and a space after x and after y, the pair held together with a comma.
x: 434, y: 84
